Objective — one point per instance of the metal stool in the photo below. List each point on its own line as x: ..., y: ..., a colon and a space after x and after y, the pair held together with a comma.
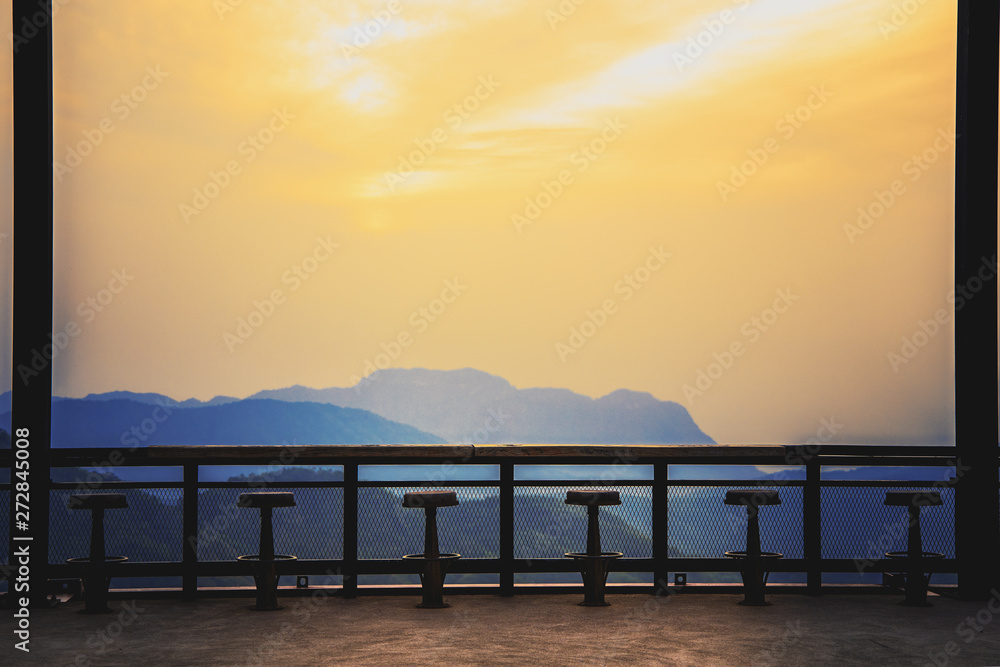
x: 753, y: 572
x: 594, y: 564
x: 915, y: 585
x: 265, y: 562
x: 435, y: 563
x: 95, y: 578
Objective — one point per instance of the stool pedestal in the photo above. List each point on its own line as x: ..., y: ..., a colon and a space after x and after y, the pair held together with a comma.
x: 95, y: 567
x: 264, y: 564
x: 434, y: 563
x: 594, y: 563
x: 753, y: 570
x: 916, y: 581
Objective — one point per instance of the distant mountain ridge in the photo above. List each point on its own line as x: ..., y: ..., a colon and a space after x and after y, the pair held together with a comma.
x: 468, y: 405
x: 78, y: 422
x: 457, y: 406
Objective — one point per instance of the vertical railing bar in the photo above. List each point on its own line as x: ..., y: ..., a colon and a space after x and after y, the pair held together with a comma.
x: 189, y: 554
x: 812, y: 528
x: 660, y: 530
x: 350, y: 568
x: 507, y: 529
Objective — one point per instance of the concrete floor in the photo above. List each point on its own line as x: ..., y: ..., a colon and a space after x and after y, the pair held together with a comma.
x: 685, y: 629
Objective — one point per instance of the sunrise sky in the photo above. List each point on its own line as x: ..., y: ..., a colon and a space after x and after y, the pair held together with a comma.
x: 324, y: 171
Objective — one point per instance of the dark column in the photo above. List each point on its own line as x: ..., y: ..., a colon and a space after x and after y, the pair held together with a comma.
x: 31, y: 383
x: 977, y: 545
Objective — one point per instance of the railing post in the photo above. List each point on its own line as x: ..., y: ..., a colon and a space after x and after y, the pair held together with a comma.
x: 812, y: 528
x: 661, y: 554
x: 350, y: 569
x: 507, y: 529
x: 189, y: 554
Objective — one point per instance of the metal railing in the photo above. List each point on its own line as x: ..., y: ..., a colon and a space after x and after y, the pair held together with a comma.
x: 511, y: 524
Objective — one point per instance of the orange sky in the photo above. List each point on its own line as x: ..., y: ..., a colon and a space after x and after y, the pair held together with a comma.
x: 652, y: 175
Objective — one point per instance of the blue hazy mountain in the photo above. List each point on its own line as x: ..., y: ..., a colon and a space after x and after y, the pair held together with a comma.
x: 467, y: 405
x: 158, y: 399
x: 116, y: 423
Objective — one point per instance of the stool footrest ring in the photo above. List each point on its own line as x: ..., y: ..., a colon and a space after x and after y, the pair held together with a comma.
x: 87, y: 561
x: 421, y: 557
x: 906, y: 554
x: 763, y: 554
x: 255, y: 558
x: 605, y: 555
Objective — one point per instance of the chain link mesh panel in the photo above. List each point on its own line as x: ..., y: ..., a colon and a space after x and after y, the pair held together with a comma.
x: 313, y: 529
x: 386, y: 529
x: 150, y: 529
x: 857, y: 523
x: 701, y: 525
x: 546, y: 527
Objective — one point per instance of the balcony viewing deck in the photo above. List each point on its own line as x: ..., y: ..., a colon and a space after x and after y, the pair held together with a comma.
x: 681, y: 629
x: 349, y: 596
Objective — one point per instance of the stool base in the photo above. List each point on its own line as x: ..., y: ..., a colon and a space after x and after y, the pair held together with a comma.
x: 754, y: 577
x: 915, y: 582
x: 432, y: 578
x: 96, y: 583
x: 594, y: 570
x: 265, y: 577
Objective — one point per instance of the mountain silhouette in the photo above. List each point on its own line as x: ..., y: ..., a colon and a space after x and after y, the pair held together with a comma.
x: 115, y: 423
x: 468, y: 405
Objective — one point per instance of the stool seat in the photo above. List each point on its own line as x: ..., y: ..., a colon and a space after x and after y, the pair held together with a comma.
x: 593, y: 497
x: 430, y: 499
x: 913, y: 498
x: 752, y: 497
x: 92, y: 501
x: 267, y: 499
